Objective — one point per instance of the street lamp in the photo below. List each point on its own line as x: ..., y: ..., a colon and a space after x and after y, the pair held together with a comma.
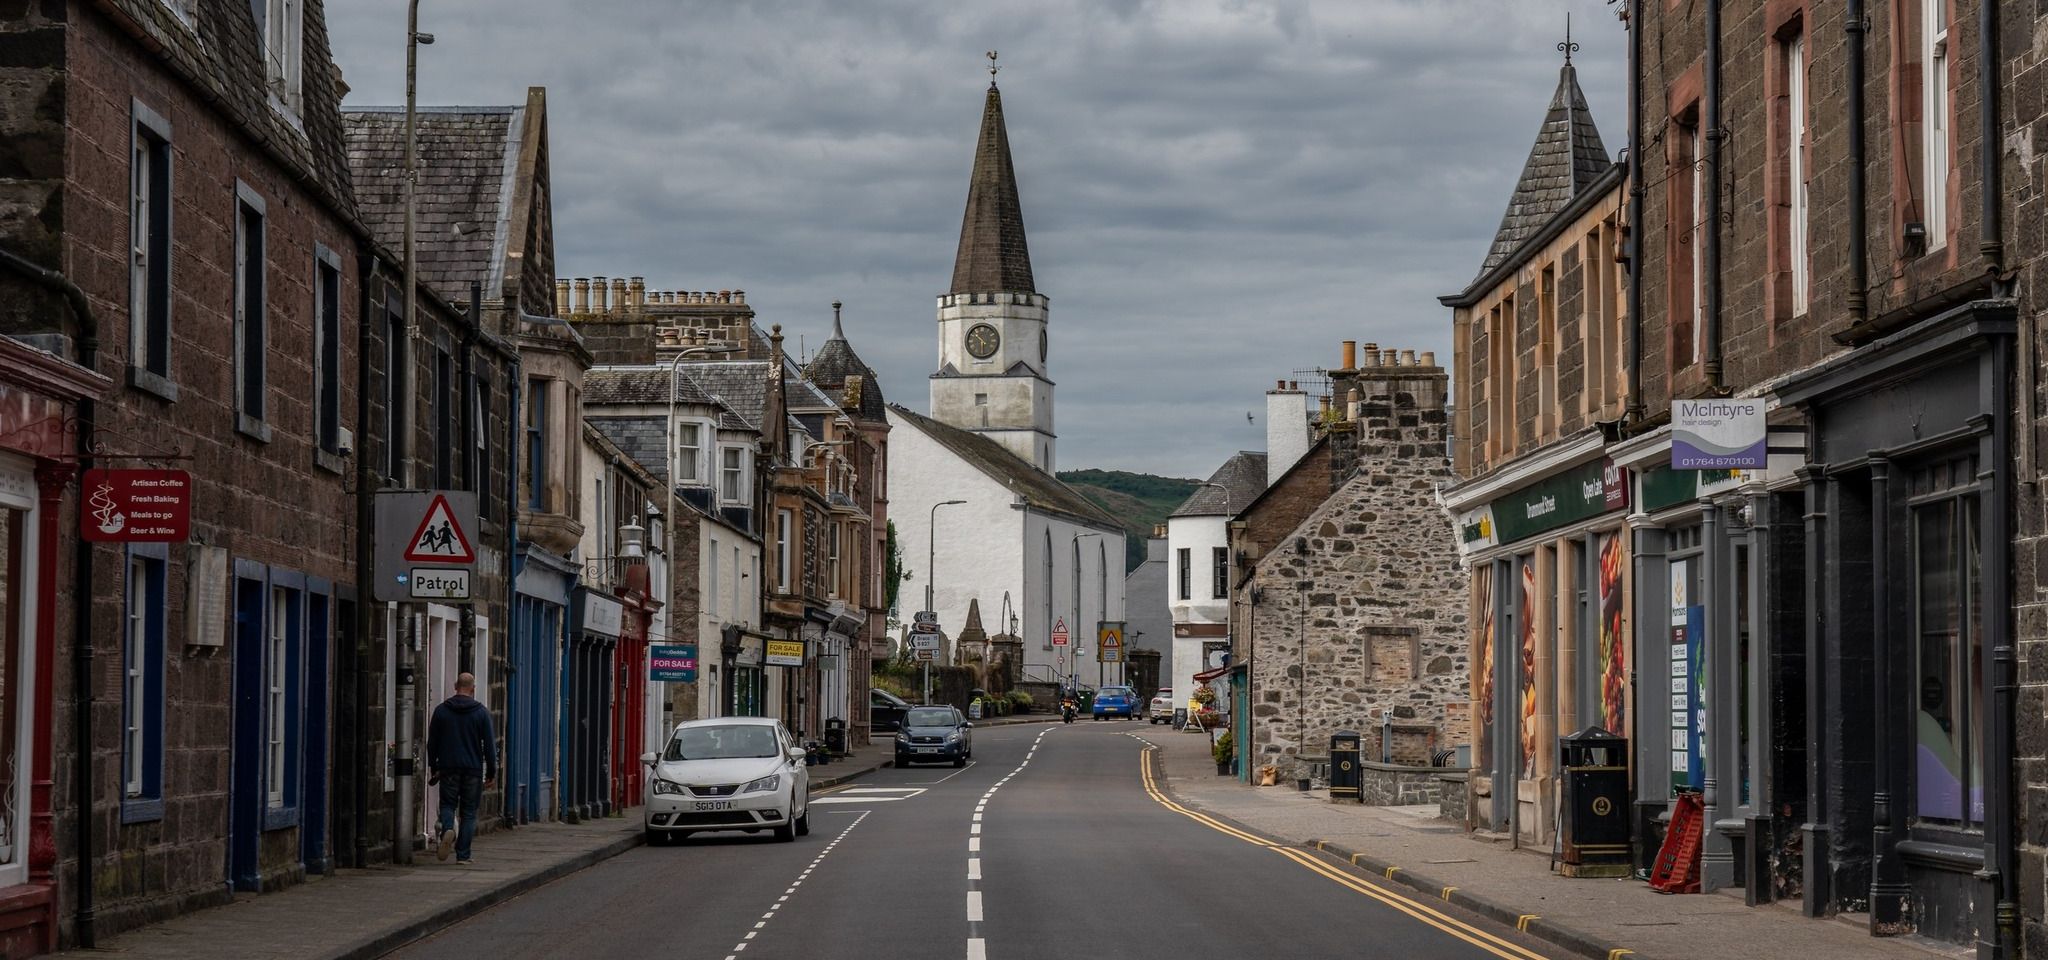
x: 407, y: 692
x: 931, y: 553
x: 674, y: 462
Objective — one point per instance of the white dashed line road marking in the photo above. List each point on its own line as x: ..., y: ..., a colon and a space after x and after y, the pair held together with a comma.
x: 973, y: 868
x: 977, y: 947
x: 786, y: 894
x: 973, y: 907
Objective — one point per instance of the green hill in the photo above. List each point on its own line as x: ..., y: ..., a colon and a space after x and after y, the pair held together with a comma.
x: 1139, y: 500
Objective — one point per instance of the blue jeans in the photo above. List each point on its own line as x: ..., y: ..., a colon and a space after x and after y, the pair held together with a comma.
x: 467, y: 789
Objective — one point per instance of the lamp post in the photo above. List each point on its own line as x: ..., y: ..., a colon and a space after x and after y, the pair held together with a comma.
x: 406, y: 687
x: 674, y: 461
x: 931, y: 553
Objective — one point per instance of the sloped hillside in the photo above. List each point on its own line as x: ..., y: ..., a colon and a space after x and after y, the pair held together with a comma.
x: 1138, y: 500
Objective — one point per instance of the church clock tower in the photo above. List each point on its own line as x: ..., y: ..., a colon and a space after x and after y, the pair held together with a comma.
x: 992, y: 325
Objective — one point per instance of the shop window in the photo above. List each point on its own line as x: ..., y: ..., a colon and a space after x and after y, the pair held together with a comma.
x: 14, y: 581
x: 142, y: 686
x: 1948, y: 762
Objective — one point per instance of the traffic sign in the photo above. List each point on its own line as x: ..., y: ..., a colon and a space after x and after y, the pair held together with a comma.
x: 439, y: 537
x: 924, y: 641
x: 1059, y: 632
x: 432, y: 583
x: 1109, y: 641
x: 931, y: 628
x: 925, y: 616
x: 924, y: 655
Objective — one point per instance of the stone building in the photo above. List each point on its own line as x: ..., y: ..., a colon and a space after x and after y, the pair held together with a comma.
x: 1355, y: 616
x: 1538, y: 337
x: 623, y: 322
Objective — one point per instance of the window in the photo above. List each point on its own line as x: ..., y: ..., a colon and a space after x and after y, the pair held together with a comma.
x: 1934, y: 122
x: 478, y: 465
x: 1219, y: 572
x: 280, y: 666
x: 1949, y: 660
x: 1183, y: 579
x: 249, y: 316
x: 536, y: 443
x: 279, y: 23
x: 1795, y: 165
x: 327, y: 350
x: 714, y: 595
x: 689, y: 452
x: 397, y: 388
x: 149, y: 268
x: 732, y: 474
x: 444, y: 420
x: 832, y: 560
x: 784, y: 520
x: 142, y: 690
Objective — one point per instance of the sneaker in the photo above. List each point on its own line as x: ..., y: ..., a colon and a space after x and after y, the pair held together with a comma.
x: 445, y: 845
x: 465, y: 863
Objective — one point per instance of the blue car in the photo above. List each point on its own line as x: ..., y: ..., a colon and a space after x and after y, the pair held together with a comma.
x: 1117, y: 702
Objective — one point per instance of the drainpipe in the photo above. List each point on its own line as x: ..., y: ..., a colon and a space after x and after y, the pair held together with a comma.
x: 81, y: 592
x: 2001, y: 847
x: 1634, y: 359
x: 1711, y: 252
x: 1856, y: 302
x: 1991, y: 245
x: 1888, y: 889
x: 514, y: 562
x: 365, y: 638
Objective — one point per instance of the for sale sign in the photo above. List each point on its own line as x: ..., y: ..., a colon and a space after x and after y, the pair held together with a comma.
x: 672, y: 662
x: 136, y: 506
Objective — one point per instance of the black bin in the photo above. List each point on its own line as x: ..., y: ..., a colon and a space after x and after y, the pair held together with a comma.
x: 1594, y: 832
x: 835, y: 735
x: 1344, y: 769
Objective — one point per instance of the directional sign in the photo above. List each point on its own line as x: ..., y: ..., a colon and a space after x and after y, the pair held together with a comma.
x: 925, y: 616
x: 923, y: 628
x: 439, y: 538
x: 424, y: 533
x: 924, y: 641
x: 1059, y: 632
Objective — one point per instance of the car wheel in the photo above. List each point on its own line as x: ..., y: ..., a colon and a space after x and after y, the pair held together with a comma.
x: 655, y: 837
x: 786, y: 833
x: 959, y: 761
x: 803, y: 820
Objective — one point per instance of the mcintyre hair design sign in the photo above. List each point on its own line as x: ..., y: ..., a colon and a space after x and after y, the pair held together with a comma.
x: 1718, y: 435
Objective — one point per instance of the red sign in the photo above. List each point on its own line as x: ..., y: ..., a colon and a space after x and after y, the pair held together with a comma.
x: 136, y: 506
x: 1614, y: 485
x: 1059, y: 633
x: 439, y: 539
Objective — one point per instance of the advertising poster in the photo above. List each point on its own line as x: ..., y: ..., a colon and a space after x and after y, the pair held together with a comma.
x: 1613, y: 645
x: 1482, y: 663
x: 1528, y: 630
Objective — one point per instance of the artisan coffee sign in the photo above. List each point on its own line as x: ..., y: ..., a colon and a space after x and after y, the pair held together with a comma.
x: 1717, y: 435
x: 136, y: 506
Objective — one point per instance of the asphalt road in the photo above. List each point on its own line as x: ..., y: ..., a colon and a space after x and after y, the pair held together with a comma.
x: 1055, y: 844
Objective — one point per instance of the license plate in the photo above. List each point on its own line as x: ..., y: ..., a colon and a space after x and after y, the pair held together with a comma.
x: 927, y: 749
x: 712, y: 805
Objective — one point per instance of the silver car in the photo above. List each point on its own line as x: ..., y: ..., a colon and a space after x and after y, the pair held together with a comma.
x: 731, y: 773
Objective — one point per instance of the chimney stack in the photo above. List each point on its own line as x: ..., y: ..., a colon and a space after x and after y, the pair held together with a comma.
x: 1287, y: 431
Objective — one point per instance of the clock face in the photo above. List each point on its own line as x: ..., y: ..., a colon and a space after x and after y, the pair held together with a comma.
x: 983, y: 340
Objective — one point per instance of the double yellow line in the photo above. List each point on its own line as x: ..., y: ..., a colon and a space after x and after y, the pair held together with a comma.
x: 1441, y: 921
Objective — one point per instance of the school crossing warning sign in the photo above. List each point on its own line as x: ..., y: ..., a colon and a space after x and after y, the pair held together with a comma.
x: 439, y: 537
x: 423, y: 549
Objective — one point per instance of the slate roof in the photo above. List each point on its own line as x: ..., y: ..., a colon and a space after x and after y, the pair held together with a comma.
x: 834, y: 363
x: 221, y: 53
x: 468, y: 158
x: 642, y: 438
x: 741, y: 386
x: 1243, y: 478
x: 1040, y: 490
x: 639, y: 385
x: 993, y: 256
x: 1566, y: 157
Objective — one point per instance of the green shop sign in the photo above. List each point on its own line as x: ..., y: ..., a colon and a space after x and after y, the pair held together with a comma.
x: 1664, y: 487
x: 1555, y: 501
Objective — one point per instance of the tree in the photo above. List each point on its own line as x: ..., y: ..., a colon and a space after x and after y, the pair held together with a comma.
x: 892, y: 567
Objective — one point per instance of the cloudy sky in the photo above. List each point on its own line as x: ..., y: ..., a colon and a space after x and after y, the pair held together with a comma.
x: 1217, y: 192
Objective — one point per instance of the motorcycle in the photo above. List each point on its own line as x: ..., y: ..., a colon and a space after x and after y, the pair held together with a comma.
x: 1067, y: 711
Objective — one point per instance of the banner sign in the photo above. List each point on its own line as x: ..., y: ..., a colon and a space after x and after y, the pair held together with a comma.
x: 136, y: 506
x: 784, y: 653
x: 1718, y: 435
x: 1559, y: 500
x: 673, y: 662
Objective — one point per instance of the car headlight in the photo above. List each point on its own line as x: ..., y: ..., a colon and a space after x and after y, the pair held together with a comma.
x: 953, y: 737
x: 903, y: 738
x: 768, y: 782
x: 667, y: 786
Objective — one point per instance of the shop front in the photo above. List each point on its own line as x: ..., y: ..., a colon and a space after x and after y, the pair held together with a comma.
x: 1910, y: 684
x: 1545, y: 545
x: 587, y: 687
x: 629, y: 735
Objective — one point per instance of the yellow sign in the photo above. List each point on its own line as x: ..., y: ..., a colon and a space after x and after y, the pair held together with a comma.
x: 784, y: 653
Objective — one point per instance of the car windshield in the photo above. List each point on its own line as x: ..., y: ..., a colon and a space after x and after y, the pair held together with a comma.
x: 723, y: 742
x: 931, y: 717
x: 1114, y: 692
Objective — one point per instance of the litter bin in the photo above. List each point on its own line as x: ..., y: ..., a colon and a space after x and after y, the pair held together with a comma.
x: 1344, y: 770
x: 835, y: 735
x: 1594, y: 833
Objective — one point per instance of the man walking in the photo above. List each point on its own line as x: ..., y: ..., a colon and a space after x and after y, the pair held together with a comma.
x: 462, y: 752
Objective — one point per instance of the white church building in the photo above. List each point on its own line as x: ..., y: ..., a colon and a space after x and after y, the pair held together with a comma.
x: 1033, y: 555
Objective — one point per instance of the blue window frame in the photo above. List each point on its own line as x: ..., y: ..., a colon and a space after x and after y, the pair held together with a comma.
x: 142, y: 685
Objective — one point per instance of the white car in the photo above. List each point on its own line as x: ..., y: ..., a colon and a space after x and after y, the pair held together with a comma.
x: 1160, y: 710
x: 730, y: 773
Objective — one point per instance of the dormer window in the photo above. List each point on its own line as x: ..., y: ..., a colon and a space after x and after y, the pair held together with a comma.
x: 280, y: 23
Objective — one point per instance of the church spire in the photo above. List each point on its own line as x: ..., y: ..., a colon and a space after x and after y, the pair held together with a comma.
x: 1566, y: 158
x: 993, y: 257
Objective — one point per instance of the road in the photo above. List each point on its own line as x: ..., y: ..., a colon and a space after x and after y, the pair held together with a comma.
x: 1056, y: 843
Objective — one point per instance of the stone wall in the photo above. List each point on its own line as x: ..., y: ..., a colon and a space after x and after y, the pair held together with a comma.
x: 1398, y: 785
x: 1454, y: 797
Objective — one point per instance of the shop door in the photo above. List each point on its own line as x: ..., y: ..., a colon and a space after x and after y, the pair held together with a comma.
x: 245, y: 793
x: 313, y: 756
x: 440, y: 650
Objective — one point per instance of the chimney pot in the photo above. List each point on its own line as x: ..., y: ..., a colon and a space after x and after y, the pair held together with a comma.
x: 1350, y: 354
x: 1388, y: 357
x: 1279, y: 384
x: 582, y: 295
x: 1407, y: 358
x: 562, y: 298
x: 1429, y: 358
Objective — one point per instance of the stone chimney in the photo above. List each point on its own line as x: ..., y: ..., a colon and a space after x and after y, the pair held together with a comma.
x: 582, y: 295
x: 1287, y: 429
x: 599, y: 295
x: 562, y: 298
x: 620, y: 304
x: 636, y: 295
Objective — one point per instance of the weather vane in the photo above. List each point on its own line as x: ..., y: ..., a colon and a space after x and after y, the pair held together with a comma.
x: 1566, y: 45
x: 992, y: 68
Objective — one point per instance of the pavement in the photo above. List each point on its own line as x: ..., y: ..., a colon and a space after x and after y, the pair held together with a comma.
x: 354, y: 914
x: 1605, y: 919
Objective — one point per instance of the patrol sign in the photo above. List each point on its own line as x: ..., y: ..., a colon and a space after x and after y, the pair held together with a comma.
x: 423, y: 549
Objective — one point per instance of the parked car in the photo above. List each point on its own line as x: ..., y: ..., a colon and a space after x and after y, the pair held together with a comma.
x: 731, y: 773
x: 885, y: 709
x: 934, y: 735
x: 1161, y: 708
x: 1116, y: 702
